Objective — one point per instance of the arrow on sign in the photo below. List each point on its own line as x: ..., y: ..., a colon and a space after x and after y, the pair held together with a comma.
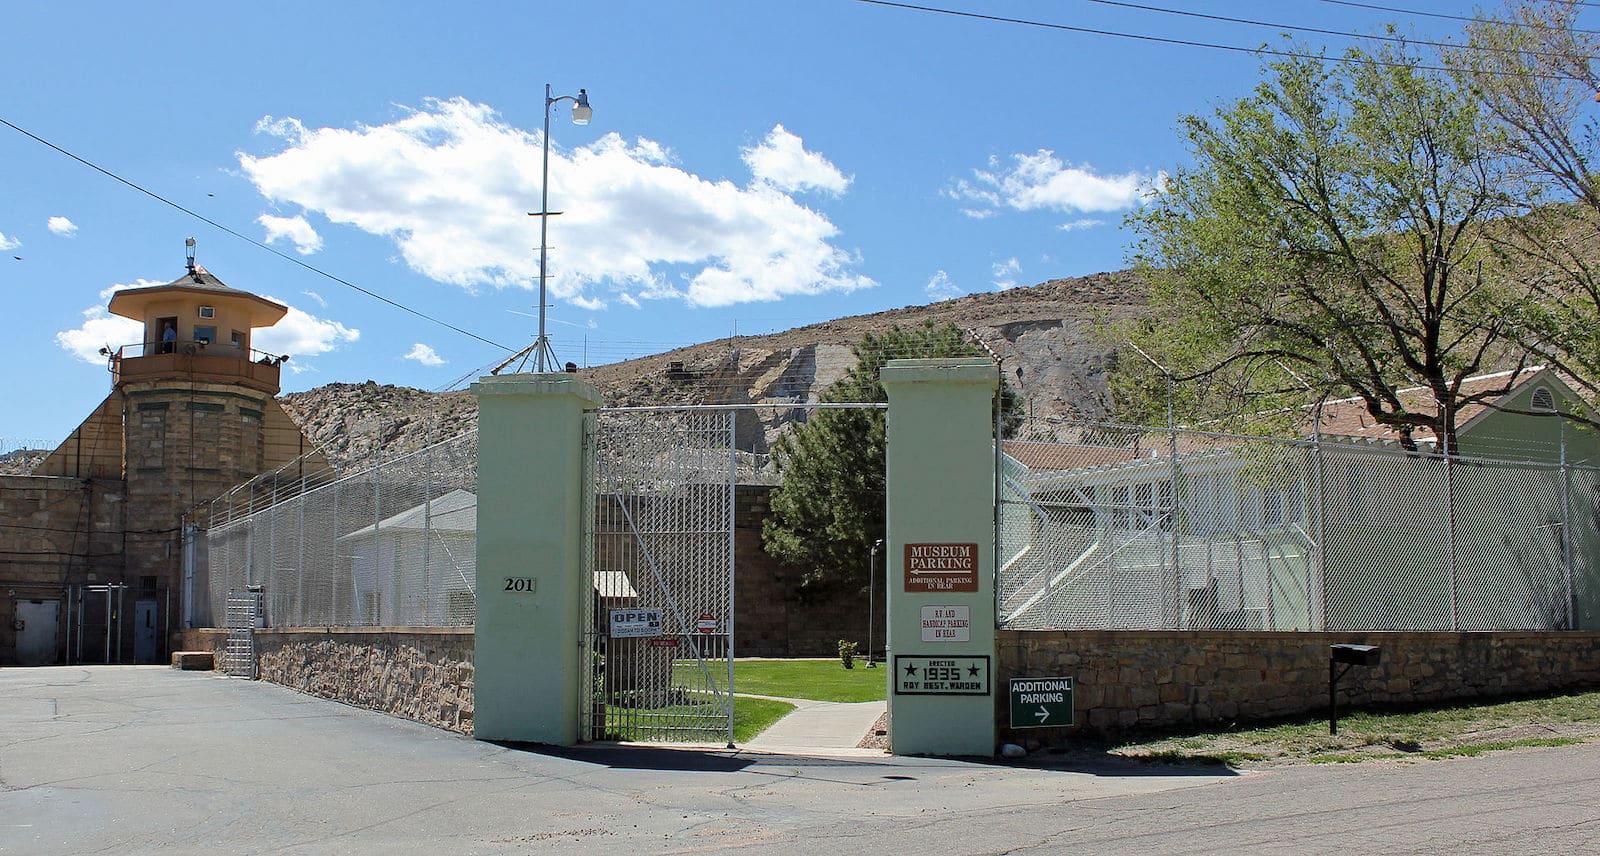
x: 1043, y: 714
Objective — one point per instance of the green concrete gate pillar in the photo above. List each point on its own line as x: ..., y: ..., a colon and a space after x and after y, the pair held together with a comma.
x: 532, y: 598
x: 940, y: 564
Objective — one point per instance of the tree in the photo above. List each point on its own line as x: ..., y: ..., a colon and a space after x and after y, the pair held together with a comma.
x: 829, y: 508
x: 1329, y: 234
x: 1532, y: 70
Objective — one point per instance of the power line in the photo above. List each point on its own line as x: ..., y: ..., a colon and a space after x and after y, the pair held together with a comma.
x: 1377, y: 8
x: 253, y: 242
x: 1143, y: 37
x: 1307, y: 29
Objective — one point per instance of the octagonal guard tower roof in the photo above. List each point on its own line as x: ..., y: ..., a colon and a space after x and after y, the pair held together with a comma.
x: 201, y: 287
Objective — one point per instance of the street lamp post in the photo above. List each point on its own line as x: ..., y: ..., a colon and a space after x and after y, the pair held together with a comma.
x: 872, y: 579
x: 544, y: 355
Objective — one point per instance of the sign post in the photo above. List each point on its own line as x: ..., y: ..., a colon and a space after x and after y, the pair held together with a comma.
x: 941, y: 530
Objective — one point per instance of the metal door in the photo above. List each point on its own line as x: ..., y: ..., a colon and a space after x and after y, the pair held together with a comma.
x: 36, y: 632
x: 146, y: 639
x: 244, y: 609
x: 659, y: 552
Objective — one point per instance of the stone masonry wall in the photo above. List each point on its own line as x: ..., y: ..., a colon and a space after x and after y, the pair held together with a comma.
x: 420, y: 673
x: 1127, y: 680
x: 55, y: 532
x: 772, y: 621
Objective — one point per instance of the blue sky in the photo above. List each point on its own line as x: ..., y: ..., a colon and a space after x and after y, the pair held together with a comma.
x: 751, y: 165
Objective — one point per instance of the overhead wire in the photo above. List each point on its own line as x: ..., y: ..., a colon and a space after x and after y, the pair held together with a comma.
x: 249, y: 240
x: 1446, y: 16
x: 1394, y: 39
x: 1263, y: 50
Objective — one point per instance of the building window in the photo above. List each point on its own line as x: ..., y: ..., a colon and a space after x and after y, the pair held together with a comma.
x: 1543, y: 401
x: 207, y: 312
x: 205, y: 335
x: 237, y: 340
x: 1271, y: 508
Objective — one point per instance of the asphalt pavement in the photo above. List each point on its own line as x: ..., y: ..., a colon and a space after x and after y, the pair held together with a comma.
x: 148, y: 760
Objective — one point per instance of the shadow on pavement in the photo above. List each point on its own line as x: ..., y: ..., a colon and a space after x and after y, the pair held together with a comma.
x: 622, y: 757
x: 703, y: 760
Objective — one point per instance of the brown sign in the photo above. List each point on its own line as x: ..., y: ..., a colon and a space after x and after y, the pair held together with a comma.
x: 941, y: 567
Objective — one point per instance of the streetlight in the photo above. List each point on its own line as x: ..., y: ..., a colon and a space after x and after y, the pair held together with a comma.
x: 582, y: 113
x: 872, y: 578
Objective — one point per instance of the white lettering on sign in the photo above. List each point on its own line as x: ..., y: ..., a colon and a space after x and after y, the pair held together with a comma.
x: 947, y: 624
x: 635, y: 623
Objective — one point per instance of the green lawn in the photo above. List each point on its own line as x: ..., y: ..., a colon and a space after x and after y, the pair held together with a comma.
x: 819, y: 680
x: 751, y: 716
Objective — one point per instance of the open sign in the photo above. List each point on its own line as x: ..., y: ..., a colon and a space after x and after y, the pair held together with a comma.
x: 635, y: 623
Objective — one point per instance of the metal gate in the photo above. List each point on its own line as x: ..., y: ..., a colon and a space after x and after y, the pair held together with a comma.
x: 659, y: 550
x: 244, y: 610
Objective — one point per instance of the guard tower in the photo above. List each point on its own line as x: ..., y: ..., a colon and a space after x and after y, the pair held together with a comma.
x: 191, y: 412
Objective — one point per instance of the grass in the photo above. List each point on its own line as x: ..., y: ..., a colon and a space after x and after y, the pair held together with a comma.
x: 751, y: 716
x: 818, y: 680
x: 1446, y: 731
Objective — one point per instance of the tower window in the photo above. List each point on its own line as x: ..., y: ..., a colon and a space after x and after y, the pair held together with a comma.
x: 205, y: 335
x: 208, y: 312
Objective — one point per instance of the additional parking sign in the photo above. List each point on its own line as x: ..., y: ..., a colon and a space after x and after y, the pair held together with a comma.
x: 635, y: 623
x: 1041, y: 702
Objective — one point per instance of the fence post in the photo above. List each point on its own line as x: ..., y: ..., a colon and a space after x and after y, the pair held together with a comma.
x: 940, y: 513
x: 1564, y: 484
x: 1318, y: 596
x: 1450, y: 533
x: 531, y: 594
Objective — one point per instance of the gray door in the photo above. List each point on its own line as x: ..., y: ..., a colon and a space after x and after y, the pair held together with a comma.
x: 36, y: 632
x: 146, y: 641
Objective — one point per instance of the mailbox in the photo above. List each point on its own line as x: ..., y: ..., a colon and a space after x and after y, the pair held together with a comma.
x: 1347, y: 656
x: 1357, y: 655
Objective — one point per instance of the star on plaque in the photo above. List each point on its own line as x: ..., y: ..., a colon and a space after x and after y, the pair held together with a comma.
x: 910, y: 669
x: 973, y: 671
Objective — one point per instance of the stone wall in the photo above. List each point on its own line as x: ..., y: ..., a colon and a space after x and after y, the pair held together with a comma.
x: 1126, y: 680
x: 57, y: 532
x: 771, y: 620
x: 420, y: 673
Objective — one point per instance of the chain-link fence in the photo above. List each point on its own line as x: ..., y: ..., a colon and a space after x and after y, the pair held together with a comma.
x: 1107, y: 526
x: 395, y: 545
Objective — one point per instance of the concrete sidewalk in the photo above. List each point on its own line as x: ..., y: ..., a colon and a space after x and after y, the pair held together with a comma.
x: 827, y: 727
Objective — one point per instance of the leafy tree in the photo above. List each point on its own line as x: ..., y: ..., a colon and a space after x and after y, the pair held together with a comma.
x: 829, y: 508
x: 1532, y: 68
x: 1329, y: 234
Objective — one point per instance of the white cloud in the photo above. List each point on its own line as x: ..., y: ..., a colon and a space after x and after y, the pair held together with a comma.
x: 61, y: 226
x: 941, y: 287
x: 302, y: 334
x: 1031, y: 182
x: 449, y: 185
x: 1084, y: 223
x: 425, y: 355
x: 783, y: 162
x: 316, y: 297
x: 102, y: 329
x: 9, y: 243
x: 295, y: 229
x: 627, y: 299
x: 1005, y: 273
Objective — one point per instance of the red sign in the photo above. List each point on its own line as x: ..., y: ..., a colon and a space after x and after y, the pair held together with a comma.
x: 941, y: 567
x: 707, y: 624
x: 664, y: 642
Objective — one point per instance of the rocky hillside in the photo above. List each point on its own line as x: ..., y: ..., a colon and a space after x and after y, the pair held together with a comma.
x: 1044, y: 334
